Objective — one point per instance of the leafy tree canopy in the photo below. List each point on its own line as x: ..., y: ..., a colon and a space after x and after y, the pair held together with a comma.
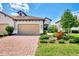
x: 52, y: 29
x: 68, y: 20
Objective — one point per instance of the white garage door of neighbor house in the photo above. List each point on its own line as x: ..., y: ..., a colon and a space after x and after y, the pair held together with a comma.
x: 2, y: 27
x: 28, y: 29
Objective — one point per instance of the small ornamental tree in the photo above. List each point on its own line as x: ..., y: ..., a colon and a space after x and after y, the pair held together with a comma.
x: 52, y: 29
x: 59, y: 35
x: 68, y: 21
x: 9, y: 30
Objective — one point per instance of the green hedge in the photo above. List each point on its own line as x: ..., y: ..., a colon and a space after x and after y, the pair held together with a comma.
x: 44, y: 37
x: 43, y: 41
x: 74, y: 40
x: 61, y: 41
x: 51, y: 41
x: 71, y: 41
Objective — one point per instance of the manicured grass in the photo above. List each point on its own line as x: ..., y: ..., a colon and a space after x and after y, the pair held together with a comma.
x: 57, y: 49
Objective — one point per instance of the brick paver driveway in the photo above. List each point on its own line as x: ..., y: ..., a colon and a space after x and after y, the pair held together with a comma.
x: 18, y: 45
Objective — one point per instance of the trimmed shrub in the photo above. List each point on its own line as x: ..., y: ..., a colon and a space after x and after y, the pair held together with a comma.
x: 66, y: 37
x: 76, y: 39
x: 72, y: 37
x: 51, y: 41
x: 54, y: 35
x: 72, y: 41
x: 44, y: 37
x: 59, y: 35
x: 43, y: 41
x: 61, y: 41
x: 45, y: 32
x: 9, y: 30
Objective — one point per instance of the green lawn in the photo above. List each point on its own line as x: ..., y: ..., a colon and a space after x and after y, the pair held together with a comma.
x: 75, y: 35
x: 57, y: 49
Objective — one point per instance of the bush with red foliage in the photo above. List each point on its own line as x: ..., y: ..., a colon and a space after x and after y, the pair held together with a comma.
x: 59, y: 35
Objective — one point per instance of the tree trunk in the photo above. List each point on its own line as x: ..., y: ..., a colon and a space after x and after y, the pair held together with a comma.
x: 68, y: 31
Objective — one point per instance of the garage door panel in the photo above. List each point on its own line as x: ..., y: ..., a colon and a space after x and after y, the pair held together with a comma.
x: 28, y: 28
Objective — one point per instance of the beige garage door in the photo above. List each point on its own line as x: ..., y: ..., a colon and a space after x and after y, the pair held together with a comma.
x: 28, y: 29
x: 2, y: 27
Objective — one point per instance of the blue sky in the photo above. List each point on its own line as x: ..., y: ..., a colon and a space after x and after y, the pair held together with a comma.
x: 50, y: 10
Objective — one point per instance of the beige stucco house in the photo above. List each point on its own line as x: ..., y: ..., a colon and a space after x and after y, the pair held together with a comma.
x: 23, y: 24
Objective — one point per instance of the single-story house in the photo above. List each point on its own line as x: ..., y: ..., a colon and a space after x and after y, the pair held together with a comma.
x: 24, y: 24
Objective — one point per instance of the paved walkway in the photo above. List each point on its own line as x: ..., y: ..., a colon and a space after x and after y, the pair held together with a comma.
x: 18, y: 45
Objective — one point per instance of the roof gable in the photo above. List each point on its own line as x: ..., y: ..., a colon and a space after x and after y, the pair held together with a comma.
x: 5, y: 14
x: 16, y: 18
x: 48, y: 18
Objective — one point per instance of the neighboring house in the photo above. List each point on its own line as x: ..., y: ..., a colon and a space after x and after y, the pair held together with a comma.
x: 23, y: 24
x: 59, y: 26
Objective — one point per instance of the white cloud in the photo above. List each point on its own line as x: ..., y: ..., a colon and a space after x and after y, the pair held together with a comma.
x: 1, y: 8
x: 76, y: 13
x: 14, y: 14
x: 20, y: 6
